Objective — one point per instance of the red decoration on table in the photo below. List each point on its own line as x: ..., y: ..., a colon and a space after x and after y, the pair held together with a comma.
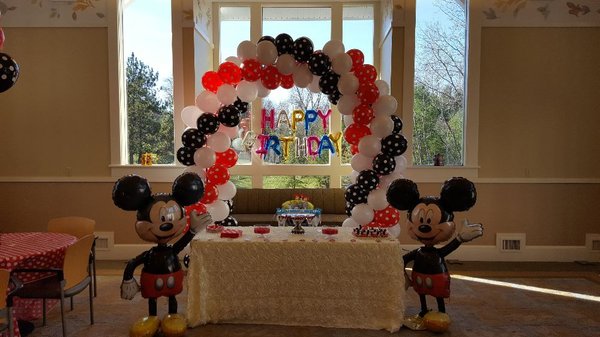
x: 214, y: 228
x: 262, y: 229
x: 329, y: 231
x: 231, y: 233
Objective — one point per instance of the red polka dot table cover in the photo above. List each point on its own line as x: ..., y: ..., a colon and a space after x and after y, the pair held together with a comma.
x: 32, y: 250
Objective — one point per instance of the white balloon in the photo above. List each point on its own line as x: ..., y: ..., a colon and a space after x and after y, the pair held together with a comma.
x: 348, y: 83
x: 247, y: 91
x: 208, y: 102
x: 360, y: 162
x: 377, y: 199
x: 190, y: 115
x: 382, y: 126
x: 369, y: 146
x: 353, y: 176
x: 218, y: 210
x: 286, y: 64
x: 349, y: 223
x: 238, y: 144
x: 246, y: 50
x: 333, y: 47
x: 205, y: 157
x: 385, y: 181
x: 348, y: 119
x: 266, y: 52
x: 226, y: 94
x: 383, y: 86
x: 401, y: 163
x: 231, y: 132
x: 385, y: 105
x: 394, y: 231
x: 227, y: 191
x: 314, y: 85
x: 219, y: 142
x: 198, y: 170
x: 235, y: 60
x: 347, y: 103
x: 261, y: 90
x: 341, y: 63
x: 302, y: 75
x: 362, y: 214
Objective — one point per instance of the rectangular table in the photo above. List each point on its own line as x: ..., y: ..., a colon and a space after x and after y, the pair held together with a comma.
x: 293, y: 279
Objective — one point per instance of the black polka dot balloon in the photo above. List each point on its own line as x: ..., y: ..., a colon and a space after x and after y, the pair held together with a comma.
x: 284, y: 44
x: 328, y: 83
x: 303, y: 49
x: 228, y: 222
x: 266, y: 38
x: 319, y: 64
x: 355, y: 194
x: 229, y: 115
x: 349, y: 207
x: 230, y: 205
x: 193, y: 138
x: 394, y: 145
x: 208, y: 123
x: 334, y: 97
x: 241, y: 106
x: 397, y: 124
x: 9, y: 72
x: 368, y: 180
x: 185, y: 155
x: 384, y: 164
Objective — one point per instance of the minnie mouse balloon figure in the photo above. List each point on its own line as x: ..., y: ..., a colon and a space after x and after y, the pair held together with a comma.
x: 160, y: 218
x: 430, y: 222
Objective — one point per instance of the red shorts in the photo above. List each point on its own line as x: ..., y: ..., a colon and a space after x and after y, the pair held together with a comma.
x: 157, y: 285
x: 436, y: 285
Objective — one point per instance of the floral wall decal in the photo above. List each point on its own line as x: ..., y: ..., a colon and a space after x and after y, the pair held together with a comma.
x: 526, y: 13
x: 45, y: 13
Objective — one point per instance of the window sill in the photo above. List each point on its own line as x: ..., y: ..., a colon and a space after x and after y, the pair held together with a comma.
x: 439, y: 174
x: 154, y: 173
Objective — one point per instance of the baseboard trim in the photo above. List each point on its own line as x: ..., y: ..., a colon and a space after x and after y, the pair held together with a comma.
x: 464, y: 253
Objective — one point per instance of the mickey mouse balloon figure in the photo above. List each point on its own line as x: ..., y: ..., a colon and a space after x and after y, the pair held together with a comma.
x: 9, y: 69
x: 430, y: 221
x: 160, y: 218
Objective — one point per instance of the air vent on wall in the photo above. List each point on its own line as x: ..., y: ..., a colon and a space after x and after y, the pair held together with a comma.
x: 104, y: 240
x: 510, y: 242
x: 592, y: 242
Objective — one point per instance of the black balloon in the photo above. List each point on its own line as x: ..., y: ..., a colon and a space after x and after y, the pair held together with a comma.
x: 368, y: 180
x: 394, y: 145
x: 228, y: 222
x: 131, y: 192
x: 384, y: 164
x: 303, y: 49
x: 193, y: 138
x: 284, y: 44
x: 185, y: 155
x: 458, y: 194
x: 349, y: 207
x: 355, y: 194
x: 229, y: 115
x: 319, y: 64
x: 266, y: 38
x: 188, y: 189
x: 9, y: 72
x: 328, y: 83
x: 241, y: 106
x: 230, y: 205
x: 397, y: 124
x: 334, y: 97
x: 403, y: 194
x: 208, y: 123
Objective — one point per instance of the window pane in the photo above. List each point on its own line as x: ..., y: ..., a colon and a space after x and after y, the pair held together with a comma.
x: 439, y: 82
x: 241, y: 181
x: 276, y: 182
x: 358, y: 29
x: 235, y: 28
x: 149, y: 78
x: 314, y: 23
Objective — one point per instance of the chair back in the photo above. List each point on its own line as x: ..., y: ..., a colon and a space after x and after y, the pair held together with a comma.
x: 76, y: 263
x: 4, y: 283
x: 75, y: 225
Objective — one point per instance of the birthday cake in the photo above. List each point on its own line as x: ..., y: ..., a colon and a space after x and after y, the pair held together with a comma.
x: 298, y: 209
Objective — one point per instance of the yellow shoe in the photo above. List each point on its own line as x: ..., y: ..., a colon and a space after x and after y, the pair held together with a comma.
x: 414, y: 322
x: 436, y: 321
x: 145, y: 327
x: 174, y: 325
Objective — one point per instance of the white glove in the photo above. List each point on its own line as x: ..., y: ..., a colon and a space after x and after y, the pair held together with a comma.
x: 129, y: 288
x: 199, y: 221
x: 470, y: 231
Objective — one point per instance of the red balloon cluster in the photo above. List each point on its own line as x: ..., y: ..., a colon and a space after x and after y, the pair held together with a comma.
x: 227, y: 159
x: 358, y: 58
x: 199, y: 207
x: 211, y: 81
x: 386, y: 217
x: 230, y: 73
x: 211, y: 194
x: 354, y: 132
x: 270, y: 77
x: 363, y: 114
x: 217, y: 175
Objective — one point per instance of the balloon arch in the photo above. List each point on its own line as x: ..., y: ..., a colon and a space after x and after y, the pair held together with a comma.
x: 373, y: 131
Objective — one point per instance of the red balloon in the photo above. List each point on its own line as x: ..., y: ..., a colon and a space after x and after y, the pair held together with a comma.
x: 387, y: 217
x: 354, y: 132
x: 1, y: 38
x: 365, y: 73
x: 251, y: 70
x: 211, y: 81
x: 287, y: 81
x: 199, y: 207
x: 227, y: 159
x: 217, y: 175
x: 270, y: 77
x: 358, y: 58
x: 353, y: 148
x: 211, y: 194
x: 367, y: 93
x: 363, y: 114
x: 230, y: 73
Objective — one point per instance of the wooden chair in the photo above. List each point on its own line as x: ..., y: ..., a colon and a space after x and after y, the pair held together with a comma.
x: 78, y: 227
x: 6, y: 321
x: 64, y: 282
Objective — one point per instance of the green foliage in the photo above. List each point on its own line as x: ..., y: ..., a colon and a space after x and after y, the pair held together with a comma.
x: 149, y: 117
x: 293, y: 182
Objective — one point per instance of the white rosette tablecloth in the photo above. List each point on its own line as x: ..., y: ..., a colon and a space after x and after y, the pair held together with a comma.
x: 291, y: 279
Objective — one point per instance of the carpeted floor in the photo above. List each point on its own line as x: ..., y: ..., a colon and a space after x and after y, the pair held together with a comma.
x: 477, y: 309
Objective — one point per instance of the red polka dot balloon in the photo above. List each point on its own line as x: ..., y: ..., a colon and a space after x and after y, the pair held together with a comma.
x: 251, y: 70
x: 367, y: 93
x: 270, y: 77
x: 230, y: 73
x: 354, y: 132
x: 211, y: 81
x: 199, y: 207
x: 354, y: 148
x: 387, y: 217
x: 365, y: 73
x: 211, y: 194
x: 363, y: 114
x: 217, y: 175
x: 227, y: 159
x: 287, y: 81
x: 358, y: 58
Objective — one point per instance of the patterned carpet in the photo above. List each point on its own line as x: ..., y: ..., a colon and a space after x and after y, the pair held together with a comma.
x: 477, y: 309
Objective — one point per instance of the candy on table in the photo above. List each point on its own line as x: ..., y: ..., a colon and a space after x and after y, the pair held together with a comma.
x: 214, y: 228
x: 231, y: 233
x: 329, y: 230
x: 262, y: 229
